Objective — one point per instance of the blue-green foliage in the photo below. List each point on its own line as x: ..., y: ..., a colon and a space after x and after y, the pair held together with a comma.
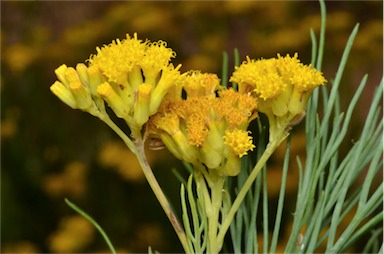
x: 328, y: 187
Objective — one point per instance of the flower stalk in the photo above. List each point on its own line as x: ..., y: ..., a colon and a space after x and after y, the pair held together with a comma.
x: 213, y: 200
x: 140, y: 153
x: 271, y: 147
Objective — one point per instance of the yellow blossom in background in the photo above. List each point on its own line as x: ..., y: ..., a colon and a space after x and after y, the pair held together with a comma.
x: 73, y: 235
x: 148, y: 234
x: 117, y: 156
x: 9, y: 123
x: 72, y: 181
x: 20, y: 247
x: 19, y: 57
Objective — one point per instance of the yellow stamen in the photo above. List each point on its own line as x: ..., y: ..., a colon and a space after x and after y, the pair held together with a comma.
x: 117, y: 59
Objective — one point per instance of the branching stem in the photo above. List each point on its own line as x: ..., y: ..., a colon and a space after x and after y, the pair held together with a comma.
x: 137, y: 148
x: 160, y: 194
x: 271, y: 147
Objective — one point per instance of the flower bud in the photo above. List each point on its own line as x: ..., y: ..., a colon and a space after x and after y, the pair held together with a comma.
x: 81, y: 94
x: 141, y: 110
x: 60, y: 74
x: 106, y: 91
x: 64, y: 94
x: 95, y: 78
x: 82, y: 72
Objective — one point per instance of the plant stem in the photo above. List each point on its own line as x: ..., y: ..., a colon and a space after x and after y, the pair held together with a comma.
x: 138, y: 149
x: 271, y: 147
x: 216, y: 184
x: 160, y: 194
x: 105, y: 118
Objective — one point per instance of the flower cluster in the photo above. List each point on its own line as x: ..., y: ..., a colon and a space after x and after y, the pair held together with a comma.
x: 282, y: 85
x: 204, y: 128
x: 197, y: 119
x: 130, y: 75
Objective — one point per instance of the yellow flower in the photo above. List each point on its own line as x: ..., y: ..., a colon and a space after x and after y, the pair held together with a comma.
x: 106, y: 91
x: 282, y: 86
x: 237, y: 109
x: 73, y: 235
x: 73, y: 89
x: 132, y: 76
x: 271, y: 78
x: 202, y: 119
x: 167, y: 126
x: 63, y: 93
x: 239, y: 141
x: 141, y: 113
x: 196, y: 129
x: 196, y: 83
x: 117, y: 59
x: 139, y: 72
x: 156, y: 57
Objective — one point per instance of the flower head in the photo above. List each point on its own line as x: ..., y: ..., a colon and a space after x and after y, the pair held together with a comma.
x: 117, y: 59
x: 132, y: 76
x: 210, y: 120
x: 74, y: 90
x: 157, y: 56
x: 196, y: 83
x: 282, y: 86
x: 239, y: 141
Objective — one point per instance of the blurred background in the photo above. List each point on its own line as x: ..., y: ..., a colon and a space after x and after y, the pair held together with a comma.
x: 50, y: 152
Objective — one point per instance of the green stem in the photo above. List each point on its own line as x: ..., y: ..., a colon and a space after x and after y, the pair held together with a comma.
x: 271, y: 147
x: 138, y: 150
x: 140, y: 153
x: 105, y: 118
x: 216, y: 184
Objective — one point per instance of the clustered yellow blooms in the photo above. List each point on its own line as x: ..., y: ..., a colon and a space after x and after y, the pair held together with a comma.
x: 198, y: 120
x: 205, y: 129
x: 282, y: 86
x: 130, y: 75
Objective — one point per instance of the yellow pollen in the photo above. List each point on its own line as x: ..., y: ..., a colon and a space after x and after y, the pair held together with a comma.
x: 118, y: 58
x: 156, y: 56
x: 236, y: 108
x: 197, y: 130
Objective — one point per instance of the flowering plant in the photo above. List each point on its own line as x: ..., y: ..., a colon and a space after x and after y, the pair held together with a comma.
x: 205, y: 123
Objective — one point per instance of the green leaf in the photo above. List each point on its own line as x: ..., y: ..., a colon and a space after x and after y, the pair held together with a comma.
x: 94, y: 223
